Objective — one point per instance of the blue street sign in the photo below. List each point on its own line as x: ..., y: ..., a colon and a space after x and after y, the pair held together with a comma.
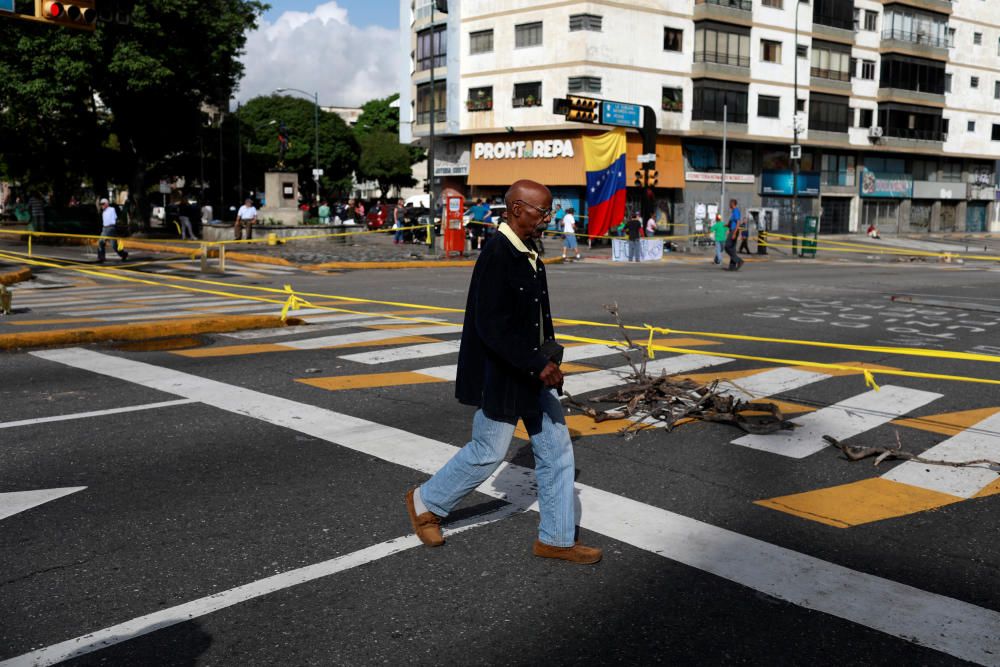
x: 6, y: 5
x: 621, y: 114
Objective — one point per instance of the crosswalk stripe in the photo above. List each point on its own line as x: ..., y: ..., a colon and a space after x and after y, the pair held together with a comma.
x: 949, y: 423
x: 184, y: 305
x: 239, y: 350
x: 982, y: 441
x: 771, y: 383
x: 585, y: 382
x: 954, y: 627
x: 842, y: 420
x: 369, y: 381
x: 369, y: 336
x: 401, y: 353
x: 91, y: 296
x: 335, y: 322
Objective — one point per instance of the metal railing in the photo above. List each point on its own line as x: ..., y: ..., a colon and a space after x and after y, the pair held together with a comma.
x: 915, y: 135
x: 424, y: 117
x: 834, y: 22
x: 831, y: 74
x: 742, y: 5
x: 916, y: 38
x: 731, y: 59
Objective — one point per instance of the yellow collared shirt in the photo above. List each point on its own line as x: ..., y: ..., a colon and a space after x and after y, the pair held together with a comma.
x: 519, y: 244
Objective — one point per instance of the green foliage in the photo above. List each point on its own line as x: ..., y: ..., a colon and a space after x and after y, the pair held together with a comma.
x: 385, y: 160
x: 379, y: 118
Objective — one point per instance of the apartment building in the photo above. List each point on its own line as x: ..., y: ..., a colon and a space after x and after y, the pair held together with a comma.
x: 897, y: 102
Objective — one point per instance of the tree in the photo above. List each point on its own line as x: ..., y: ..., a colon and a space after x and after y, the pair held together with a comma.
x: 126, y: 102
x: 383, y: 158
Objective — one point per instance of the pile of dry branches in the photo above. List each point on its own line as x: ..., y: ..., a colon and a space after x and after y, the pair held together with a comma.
x: 667, y: 400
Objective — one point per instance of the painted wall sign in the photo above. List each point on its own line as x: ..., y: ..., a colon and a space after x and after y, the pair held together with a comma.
x: 716, y: 177
x: 898, y: 186
x: 540, y: 148
x: 781, y: 183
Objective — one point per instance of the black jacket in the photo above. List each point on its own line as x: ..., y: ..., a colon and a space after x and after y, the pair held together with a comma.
x: 499, y: 360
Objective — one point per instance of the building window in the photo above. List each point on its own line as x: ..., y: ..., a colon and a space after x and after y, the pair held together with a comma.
x: 837, y: 169
x: 906, y: 24
x: 871, y: 20
x: 771, y: 3
x: 865, y: 117
x: 673, y: 99
x: 830, y: 61
x: 971, y: 127
x: 673, y: 39
x: 770, y: 52
x: 527, y: 94
x: 868, y: 69
x: 424, y: 45
x: 424, y: 102
x: 585, y: 22
x: 977, y: 38
x: 584, y: 84
x: 714, y: 99
x: 951, y: 172
x: 951, y: 37
x: 802, y: 51
x: 995, y: 136
x: 768, y: 107
x: 974, y: 82
x: 729, y: 46
x: 528, y: 34
x: 908, y: 73
x: 998, y: 47
x: 947, y: 83
x: 480, y: 99
x: 481, y: 41
x: 800, y: 105
x: 829, y: 113
x: 996, y: 90
x: 924, y: 170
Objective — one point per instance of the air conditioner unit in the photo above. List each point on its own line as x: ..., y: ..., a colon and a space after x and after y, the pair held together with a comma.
x: 874, y: 132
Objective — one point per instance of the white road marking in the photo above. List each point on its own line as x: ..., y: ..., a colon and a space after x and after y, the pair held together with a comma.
x: 405, y: 352
x: 159, y: 308
x: 770, y: 383
x: 980, y: 441
x: 842, y: 420
x: 164, y: 618
x: 96, y: 413
x: 945, y: 624
x: 369, y: 336
x: 19, y: 501
x: 584, y: 382
x: 344, y: 322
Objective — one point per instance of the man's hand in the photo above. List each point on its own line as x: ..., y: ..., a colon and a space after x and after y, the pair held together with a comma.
x: 551, y: 376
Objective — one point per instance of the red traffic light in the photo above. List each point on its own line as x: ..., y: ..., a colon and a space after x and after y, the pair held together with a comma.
x: 54, y: 10
x: 76, y: 14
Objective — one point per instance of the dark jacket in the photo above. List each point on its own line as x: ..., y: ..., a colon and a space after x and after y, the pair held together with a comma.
x: 499, y: 360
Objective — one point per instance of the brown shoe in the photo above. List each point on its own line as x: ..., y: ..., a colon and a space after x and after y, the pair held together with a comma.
x: 577, y: 553
x: 427, y: 526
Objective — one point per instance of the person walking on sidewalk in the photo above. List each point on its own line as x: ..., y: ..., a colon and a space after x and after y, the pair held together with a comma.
x: 247, y: 215
x: 735, y: 261
x: 719, y: 233
x: 569, y: 233
x: 508, y: 368
x: 109, y: 220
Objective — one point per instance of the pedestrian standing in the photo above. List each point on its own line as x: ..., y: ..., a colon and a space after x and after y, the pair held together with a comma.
x: 36, y: 206
x: 397, y: 222
x: 184, y: 213
x: 719, y: 230
x: 634, y: 229
x: 324, y: 213
x: 109, y: 220
x: 508, y: 368
x: 651, y: 226
x: 246, y: 216
x: 569, y: 233
x: 744, y: 234
x: 206, y: 215
x: 732, y: 235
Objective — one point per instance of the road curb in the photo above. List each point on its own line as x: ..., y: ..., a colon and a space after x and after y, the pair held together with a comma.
x: 143, y: 330
x: 415, y: 264
x: 15, y: 276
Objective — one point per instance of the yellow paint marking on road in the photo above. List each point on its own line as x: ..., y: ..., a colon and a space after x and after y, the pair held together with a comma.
x: 788, y: 408
x: 233, y: 350
x: 723, y: 374
x: 859, y: 502
x: 405, y: 325
x: 948, y: 423
x: 990, y: 490
x: 370, y: 381
x: 860, y: 365
x: 402, y: 340
x: 570, y: 367
x: 581, y: 426
x: 65, y: 320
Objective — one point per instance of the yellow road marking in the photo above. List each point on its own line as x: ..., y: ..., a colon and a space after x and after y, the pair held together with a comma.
x: 581, y: 426
x: 860, y: 365
x: 402, y: 340
x: 570, y: 367
x: 403, y: 325
x: 991, y: 490
x: 370, y: 381
x: 234, y: 350
x: 860, y: 502
x: 948, y: 423
x: 66, y: 320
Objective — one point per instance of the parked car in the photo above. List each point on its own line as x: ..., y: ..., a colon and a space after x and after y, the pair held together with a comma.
x: 379, y: 216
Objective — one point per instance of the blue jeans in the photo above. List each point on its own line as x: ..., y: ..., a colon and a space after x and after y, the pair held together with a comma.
x: 634, y: 250
x: 718, y: 251
x: 106, y: 232
x: 397, y: 236
x: 554, y: 468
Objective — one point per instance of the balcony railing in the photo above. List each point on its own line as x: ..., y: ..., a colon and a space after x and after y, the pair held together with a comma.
x: 730, y: 59
x: 916, y: 38
x: 832, y: 74
x: 484, y: 104
x: 916, y: 135
x: 424, y: 117
x: 717, y: 114
x: 669, y: 104
x: 827, y: 126
x: 834, y: 21
x: 529, y: 101
x: 742, y: 5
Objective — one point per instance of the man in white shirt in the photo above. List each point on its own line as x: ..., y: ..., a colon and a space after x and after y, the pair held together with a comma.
x: 569, y: 233
x: 109, y: 218
x: 247, y: 215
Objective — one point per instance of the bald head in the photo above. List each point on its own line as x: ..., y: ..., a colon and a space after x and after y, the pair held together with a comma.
x: 529, y: 207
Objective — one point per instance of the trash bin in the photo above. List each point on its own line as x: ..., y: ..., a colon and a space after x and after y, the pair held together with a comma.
x: 810, y: 235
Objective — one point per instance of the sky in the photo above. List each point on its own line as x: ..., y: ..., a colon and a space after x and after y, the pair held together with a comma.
x: 346, y: 50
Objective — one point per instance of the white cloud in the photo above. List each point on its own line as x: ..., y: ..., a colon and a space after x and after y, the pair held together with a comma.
x: 321, y: 51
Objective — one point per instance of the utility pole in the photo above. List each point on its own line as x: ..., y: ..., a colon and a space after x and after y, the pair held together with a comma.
x: 725, y: 136
x: 796, y: 150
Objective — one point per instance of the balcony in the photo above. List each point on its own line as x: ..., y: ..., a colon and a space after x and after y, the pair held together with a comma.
x: 529, y: 101
x: 833, y: 28
x: 830, y: 79
x: 940, y: 6
x: 480, y: 104
x: 709, y: 63
x: 915, y: 43
x: 910, y: 96
x: 733, y: 11
x: 424, y: 117
x: 901, y: 137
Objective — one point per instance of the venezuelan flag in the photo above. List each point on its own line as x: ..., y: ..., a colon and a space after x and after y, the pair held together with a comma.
x: 604, y: 156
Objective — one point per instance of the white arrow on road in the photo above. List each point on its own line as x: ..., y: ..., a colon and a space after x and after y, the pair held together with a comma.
x: 19, y: 501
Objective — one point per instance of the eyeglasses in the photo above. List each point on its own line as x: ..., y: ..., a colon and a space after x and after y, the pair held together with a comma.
x: 544, y: 212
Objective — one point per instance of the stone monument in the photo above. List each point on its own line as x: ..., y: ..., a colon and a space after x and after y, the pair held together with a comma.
x: 281, y: 199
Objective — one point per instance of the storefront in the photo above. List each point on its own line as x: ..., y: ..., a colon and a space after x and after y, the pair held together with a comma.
x: 881, y: 196
x: 776, y: 188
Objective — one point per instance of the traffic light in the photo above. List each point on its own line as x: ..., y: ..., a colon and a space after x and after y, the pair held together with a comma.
x: 647, y: 180
x: 77, y: 14
x: 583, y: 109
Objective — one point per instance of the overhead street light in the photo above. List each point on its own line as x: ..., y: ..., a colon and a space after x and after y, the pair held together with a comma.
x: 315, y: 96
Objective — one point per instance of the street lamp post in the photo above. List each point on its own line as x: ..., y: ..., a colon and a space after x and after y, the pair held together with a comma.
x: 315, y: 97
x: 795, y: 132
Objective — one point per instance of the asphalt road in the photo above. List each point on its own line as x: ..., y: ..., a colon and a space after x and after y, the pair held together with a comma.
x: 184, y: 523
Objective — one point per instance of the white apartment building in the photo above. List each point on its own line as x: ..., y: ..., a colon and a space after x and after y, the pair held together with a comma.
x: 897, y: 102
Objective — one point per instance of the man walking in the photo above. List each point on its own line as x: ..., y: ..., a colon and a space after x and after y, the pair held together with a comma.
x: 735, y: 261
x: 247, y: 215
x: 569, y: 233
x: 109, y: 220
x: 508, y: 367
